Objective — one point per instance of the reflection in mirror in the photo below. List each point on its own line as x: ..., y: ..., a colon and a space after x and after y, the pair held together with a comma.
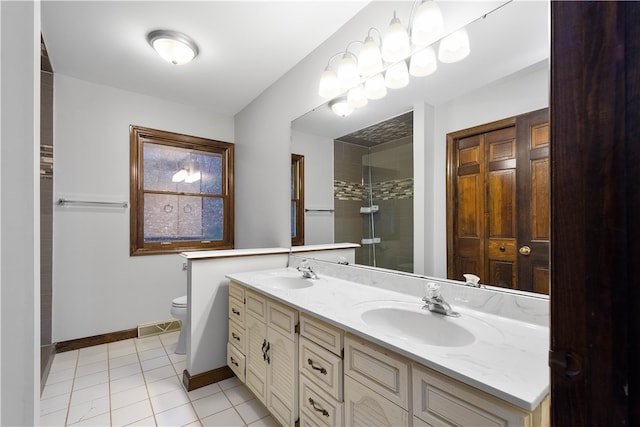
x: 505, y: 75
x: 373, y: 193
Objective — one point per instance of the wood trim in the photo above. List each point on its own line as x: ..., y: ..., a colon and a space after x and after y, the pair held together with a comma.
x: 96, y: 340
x: 192, y: 382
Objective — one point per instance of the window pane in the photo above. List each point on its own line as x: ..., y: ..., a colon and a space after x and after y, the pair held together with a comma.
x: 213, y: 218
x: 201, y: 170
x: 173, y: 217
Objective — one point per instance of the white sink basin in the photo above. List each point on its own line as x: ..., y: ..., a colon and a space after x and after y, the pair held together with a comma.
x: 288, y: 282
x: 419, y: 326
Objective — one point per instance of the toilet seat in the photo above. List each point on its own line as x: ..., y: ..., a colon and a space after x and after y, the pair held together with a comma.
x: 180, y: 302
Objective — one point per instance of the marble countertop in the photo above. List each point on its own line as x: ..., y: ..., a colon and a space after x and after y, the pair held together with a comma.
x: 508, y: 358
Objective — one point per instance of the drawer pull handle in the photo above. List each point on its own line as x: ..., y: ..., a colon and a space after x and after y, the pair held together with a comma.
x: 235, y: 337
x: 264, y: 353
x: 322, y: 370
x: 317, y: 408
x: 233, y: 362
x: 234, y: 311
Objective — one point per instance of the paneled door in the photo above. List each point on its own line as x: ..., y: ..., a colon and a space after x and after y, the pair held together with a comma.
x: 498, y: 203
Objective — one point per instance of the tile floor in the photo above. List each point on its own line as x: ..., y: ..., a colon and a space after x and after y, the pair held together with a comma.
x: 138, y: 382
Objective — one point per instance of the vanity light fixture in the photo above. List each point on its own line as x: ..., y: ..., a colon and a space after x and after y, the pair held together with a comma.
x: 174, y: 47
x: 383, y: 63
x: 341, y: 106
x: 454, y: 47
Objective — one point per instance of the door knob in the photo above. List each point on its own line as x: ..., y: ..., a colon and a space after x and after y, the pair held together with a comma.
x: 524, y: 250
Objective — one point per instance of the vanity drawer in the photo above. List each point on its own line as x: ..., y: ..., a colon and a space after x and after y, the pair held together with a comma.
x: 440, y: 400
x: 322, y: 333
x: 236, y: 311
x: 282, y: 318
x: 235, y: 360
x: 236, y: 291
x: 256, y: 305
x: 322, y: 366
x: 236, y: 336
x: 318, y: 408
x: 379, y: 369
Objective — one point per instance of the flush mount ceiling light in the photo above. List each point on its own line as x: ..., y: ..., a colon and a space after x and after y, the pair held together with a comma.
x: 174, y: 47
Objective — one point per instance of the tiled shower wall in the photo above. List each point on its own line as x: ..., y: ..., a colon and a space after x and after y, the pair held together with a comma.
x: 390, y: 167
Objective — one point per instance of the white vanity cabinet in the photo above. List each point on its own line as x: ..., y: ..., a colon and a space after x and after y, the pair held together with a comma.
x: 309, y: 371
x: 376, y: 389
x: 271, y: 355
x: 321, y: 373
x: 236, y: 343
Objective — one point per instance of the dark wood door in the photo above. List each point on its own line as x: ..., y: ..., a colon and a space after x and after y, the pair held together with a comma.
x: 595, y: 189
x: 533, y: 201
x: 498, y: 203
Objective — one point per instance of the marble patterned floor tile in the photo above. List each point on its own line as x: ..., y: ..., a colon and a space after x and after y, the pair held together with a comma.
x: 86, y: 410
x: 178, y: 416
x: 164, y: 385
x: 127, y: 397
x: 126, y: 383
x: 166, y: 401
x: 132, y: 413
x: 252, y: 411
x: 211, y: 405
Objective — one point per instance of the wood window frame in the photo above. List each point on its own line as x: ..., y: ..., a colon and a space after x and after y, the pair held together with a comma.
x: 137, y: 137
x: 297, y: 195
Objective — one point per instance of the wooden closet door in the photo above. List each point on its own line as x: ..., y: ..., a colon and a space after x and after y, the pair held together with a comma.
x: 501, y: 219
x: 534, y: 229
x: 498, y: 203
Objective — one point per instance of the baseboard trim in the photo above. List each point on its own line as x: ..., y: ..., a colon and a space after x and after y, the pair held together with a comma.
x: 96, y: 340
x: 192, y: 382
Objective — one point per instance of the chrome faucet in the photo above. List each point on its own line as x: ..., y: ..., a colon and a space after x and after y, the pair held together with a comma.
x: 435, y: 302
x: 306, y: 270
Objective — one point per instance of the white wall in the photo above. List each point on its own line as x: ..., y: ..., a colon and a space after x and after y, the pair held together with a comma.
x: 318, y: 182
x: 528, y: 91
x: 19, y: 213
x: 97, y: 286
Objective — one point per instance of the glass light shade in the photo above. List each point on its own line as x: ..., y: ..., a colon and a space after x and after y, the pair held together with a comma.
x: 180, y: 175
x: 172, y: 46
x: 397, y: 76
x: 428, y: 25
x: 329, y: 86
x: 341, y: 106
x: 375, y: 87
x: 348, y: 71
x: 423, y: 62
x: 193, y: 177
x: 356, y: 97
x: 454, y: 47
x: 395, y: 45
x: 369, y: 59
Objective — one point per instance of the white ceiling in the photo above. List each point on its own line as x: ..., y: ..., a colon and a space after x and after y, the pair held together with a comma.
x: 245, y: 46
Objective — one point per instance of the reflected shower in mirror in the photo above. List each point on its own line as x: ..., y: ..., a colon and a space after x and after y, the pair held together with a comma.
x: 504, y: 76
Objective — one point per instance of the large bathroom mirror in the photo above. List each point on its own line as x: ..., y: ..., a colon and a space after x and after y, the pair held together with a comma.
x: 378, y: 177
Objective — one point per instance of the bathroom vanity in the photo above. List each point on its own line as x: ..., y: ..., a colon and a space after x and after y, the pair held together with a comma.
x: 328, y: 351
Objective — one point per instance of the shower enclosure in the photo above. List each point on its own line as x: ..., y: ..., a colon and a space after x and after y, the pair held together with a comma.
x: 373, y: 194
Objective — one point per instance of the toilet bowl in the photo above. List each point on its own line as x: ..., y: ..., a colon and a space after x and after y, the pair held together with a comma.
x: 179, y: 311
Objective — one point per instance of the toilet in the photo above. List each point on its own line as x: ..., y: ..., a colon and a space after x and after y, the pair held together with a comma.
x: 179, y: 311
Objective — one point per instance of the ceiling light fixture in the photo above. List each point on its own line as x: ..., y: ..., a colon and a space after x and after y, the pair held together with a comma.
x: 172, y: 46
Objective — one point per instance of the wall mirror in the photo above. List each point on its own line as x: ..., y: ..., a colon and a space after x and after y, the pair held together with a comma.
x: 505, y: 75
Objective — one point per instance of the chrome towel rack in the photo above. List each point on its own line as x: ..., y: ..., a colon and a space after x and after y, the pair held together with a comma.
x: 63, y: 202
x: 319, y: 210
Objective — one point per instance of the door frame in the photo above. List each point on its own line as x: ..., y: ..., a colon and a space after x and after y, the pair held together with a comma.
x: 595, y: 187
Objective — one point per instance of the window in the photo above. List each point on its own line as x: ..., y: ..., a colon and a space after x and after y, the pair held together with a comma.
x: 297, y: 200
x: 181, y: 192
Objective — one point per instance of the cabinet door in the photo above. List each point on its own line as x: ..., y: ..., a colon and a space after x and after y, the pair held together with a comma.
x: 364, y: 407
x: 256, y: 364
x: 282, y: 377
